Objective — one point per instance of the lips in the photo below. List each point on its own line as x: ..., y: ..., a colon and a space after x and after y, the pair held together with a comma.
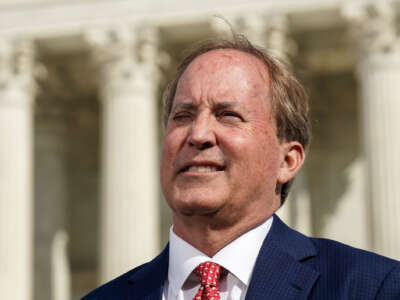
x: 201, y: 167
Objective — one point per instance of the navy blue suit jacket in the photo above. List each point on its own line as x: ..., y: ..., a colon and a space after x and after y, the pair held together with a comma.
x: 289, y: 266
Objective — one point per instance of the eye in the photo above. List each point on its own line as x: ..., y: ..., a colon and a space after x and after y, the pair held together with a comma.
x: 182, y: 116
x: 229, y: 115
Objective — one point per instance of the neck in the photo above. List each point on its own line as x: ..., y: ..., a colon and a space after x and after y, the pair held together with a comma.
x: 209, y: 235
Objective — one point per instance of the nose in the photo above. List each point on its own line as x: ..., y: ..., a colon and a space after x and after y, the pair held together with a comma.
x: 202, y: 135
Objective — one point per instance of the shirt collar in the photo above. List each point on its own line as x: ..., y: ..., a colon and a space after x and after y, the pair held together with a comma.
x: 184, y: 258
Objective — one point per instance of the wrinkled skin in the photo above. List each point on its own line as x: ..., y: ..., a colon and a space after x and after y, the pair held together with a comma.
x: 222, y: 163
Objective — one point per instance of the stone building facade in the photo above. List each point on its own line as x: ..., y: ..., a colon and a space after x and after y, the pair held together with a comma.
x: 80, y: 130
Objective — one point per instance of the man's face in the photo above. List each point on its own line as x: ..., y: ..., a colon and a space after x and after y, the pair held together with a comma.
x: 221, y: 156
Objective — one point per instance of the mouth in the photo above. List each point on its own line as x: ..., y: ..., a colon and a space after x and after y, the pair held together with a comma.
x: 201, y: 168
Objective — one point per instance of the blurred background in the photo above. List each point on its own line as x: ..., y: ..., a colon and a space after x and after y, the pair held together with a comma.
x: 80, y: 127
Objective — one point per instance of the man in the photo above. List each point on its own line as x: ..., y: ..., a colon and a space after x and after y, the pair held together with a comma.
x: 236, y: 129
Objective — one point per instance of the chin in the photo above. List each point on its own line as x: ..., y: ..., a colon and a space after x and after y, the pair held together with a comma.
x: 197, y: 206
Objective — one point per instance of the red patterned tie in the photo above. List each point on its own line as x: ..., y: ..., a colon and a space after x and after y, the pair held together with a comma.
x: 208, y: 273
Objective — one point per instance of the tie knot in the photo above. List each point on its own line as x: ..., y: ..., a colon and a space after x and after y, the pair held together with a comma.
x: 209, y: 273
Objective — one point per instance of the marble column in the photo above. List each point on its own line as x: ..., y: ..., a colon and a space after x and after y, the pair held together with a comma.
x: 51, y: 196
x: 60, y: 279
x: 379, y: 79
x: 16, y: 98
x: 130, y: 195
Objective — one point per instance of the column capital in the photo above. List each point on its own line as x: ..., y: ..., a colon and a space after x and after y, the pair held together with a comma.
x: 253, y: 26
x: 127, y: 57
x: 373, y: 24
x: 16, y: 69
x: 271, y: 31
x: 267, y: 30
x: 110, y: 44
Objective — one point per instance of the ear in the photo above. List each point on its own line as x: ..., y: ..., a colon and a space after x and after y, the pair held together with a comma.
x: 293, y: 156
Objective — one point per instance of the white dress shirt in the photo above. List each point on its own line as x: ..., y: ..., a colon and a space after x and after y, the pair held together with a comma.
x: 238, y: 257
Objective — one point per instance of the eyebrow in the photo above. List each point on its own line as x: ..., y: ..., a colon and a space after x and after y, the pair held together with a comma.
x: 191, y: 106
x: 223, y: 105
x: 184, y: 105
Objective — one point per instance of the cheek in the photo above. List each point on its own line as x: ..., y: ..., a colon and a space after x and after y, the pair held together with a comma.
x: 173, y: 141
x: 259, y: 154
x: 170, y: 144
x: 167, y: 157
x: 175, y: 136
x: 272, y: 163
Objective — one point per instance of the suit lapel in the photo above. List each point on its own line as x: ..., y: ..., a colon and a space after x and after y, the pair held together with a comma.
x: 148, y: 282
x: 279, y: 272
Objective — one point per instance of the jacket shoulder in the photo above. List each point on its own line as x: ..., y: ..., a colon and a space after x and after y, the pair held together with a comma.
x: 358, y: 273
x: 136, y: 283
x: 348, y: 256
x: 114, y: 287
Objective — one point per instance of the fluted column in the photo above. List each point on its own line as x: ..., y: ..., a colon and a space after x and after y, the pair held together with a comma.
x: 51, y: 198
x: 379, y: 78
x: 130, y: 214
x: 16, y: 97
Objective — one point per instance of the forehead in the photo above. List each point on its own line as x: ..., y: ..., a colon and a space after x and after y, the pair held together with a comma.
x: 223, y: 69
x: 223, y: 59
